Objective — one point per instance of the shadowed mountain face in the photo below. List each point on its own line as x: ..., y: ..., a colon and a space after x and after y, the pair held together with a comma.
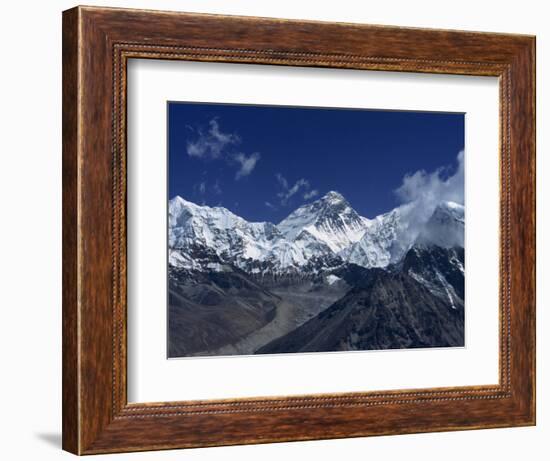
x: 387, y: 310
x: 324, y: 279
x: 441, y: 270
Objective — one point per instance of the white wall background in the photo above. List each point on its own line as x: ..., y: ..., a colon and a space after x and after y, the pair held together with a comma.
x: 30, y: 230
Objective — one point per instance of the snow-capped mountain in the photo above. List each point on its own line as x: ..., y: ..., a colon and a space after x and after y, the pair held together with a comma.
x: 256, y: 247
x: 318, y: 236
x: 384, y: 242
x: 330, y: 219
x: 219, y: 229
x: 389, y: 236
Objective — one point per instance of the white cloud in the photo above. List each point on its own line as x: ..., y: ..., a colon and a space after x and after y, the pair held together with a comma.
x: 201, y: 188
x: 298, y: 185
x: 287, y: 191
x: 311, y: 194
x: 421, y: 192
x: 247, y: 164
x: 270, y: 205
x: 432, y: 188
x: 212, y: 143
x: 282, y: 180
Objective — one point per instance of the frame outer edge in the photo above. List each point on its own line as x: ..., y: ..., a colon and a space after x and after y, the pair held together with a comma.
x: 70, y: 191
x: 533, y: 70
x: 532, y: 56
x: 531, y: 141
x: 523, y: 236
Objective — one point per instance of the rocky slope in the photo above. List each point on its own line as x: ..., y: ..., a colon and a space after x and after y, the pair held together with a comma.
x: 389, y: 309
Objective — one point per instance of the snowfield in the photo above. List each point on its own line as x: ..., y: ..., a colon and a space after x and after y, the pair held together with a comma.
x: 324, y: 233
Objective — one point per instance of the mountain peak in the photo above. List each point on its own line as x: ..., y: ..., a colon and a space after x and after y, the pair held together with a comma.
x: 333, y: 197
x: 450, y: 206
x: 179, y: 203
x: 330, y: 219
x: 178, y: 199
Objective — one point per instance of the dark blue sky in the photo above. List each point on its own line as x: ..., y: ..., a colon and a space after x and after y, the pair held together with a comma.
x: 262, y: 162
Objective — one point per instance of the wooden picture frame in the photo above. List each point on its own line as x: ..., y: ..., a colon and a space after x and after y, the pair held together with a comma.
x: 97, y: 43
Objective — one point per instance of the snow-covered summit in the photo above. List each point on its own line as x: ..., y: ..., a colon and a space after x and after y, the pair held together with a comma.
x: 333, y: 197
x: 181, y: 212
x: 330, y: 219
x: 217, y: 228
x: 384, y: 241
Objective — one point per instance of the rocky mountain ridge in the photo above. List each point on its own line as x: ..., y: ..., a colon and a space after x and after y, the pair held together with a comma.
x: 316, y: 237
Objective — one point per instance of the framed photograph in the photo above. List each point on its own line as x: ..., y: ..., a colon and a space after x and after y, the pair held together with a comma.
x: 305, y: 271
x: 280, y: 230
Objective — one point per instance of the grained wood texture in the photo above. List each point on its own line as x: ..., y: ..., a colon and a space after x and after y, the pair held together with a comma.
x: 97, y: 42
